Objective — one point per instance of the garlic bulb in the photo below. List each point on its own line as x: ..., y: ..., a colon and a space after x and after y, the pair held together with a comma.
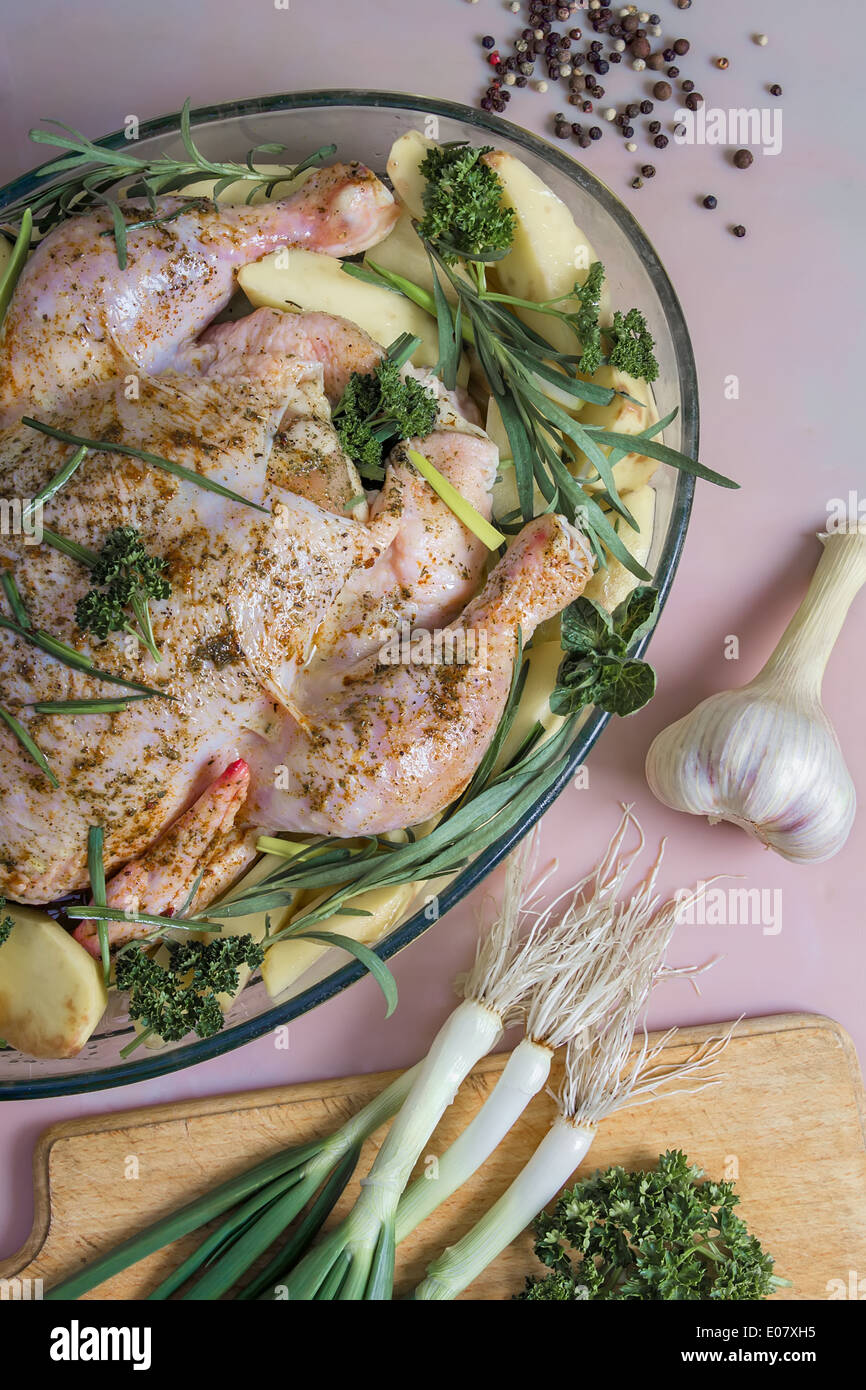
x: 766, y: 756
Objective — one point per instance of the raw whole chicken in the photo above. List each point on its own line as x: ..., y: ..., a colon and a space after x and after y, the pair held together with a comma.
x: 277, y: 711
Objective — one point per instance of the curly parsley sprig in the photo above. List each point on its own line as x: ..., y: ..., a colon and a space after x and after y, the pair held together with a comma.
x: 379, y: 408
x: 124, y: 576
x: 657, y: 1235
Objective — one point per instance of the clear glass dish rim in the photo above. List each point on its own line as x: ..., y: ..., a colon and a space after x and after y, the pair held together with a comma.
x: 236, y: 1035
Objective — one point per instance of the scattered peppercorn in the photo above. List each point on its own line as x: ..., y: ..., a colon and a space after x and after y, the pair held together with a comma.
x: 595, y: 132
x: 710, y: 202
x: 684, y: 4
x: 775, y: 90
x: 640, y: 48
x: 632, y: 110
x: 646, y: 107
x: 722, y: 63
x: 760, y: 39
x: 743, y: 159
x: 694, y: 100
x: 661, y: 142
x: 739, y: 230
x: 668, y: 54
x: 627, y: 131
x: 637, y: 183
x: 662, y: 91
x: 656, y: 61
x: 584, y: 142
x: 681, y: 46
x: 488, y: 41
x: 654, y: 127
x: 687, y: 85
x: 648, y: 171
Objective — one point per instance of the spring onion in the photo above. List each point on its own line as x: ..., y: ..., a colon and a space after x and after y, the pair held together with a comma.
x: 245, y: 1197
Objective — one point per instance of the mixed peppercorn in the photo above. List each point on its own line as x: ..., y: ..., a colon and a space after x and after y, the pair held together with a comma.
x: 566, y: 54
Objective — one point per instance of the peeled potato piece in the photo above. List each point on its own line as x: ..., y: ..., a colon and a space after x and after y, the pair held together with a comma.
x: 296, y: 279
x: 402, y: 252
x: 403, y: 169
x: 52, y: 993
x: 286, y: 961
x: 549, y: 251
x: 610, y: 586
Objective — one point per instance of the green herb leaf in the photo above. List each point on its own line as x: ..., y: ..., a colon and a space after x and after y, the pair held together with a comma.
x: 586, y: 627
x: 657, y: 1235
x: 636, y: 614
x: 28, y: 744
x: 15, y: 264
x: 376, y: 966
x: 463, y: 211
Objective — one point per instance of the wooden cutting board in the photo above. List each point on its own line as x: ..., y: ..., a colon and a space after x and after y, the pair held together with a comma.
x: 787, y: 1123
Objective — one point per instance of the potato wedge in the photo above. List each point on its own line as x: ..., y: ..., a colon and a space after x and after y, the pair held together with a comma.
x: 286, y: 961
x: 403, y: 253
x: 296, y: 279
x: 406, y: 155
x: 52, y: 993
x: 549, y: 251
x: 610, y: 586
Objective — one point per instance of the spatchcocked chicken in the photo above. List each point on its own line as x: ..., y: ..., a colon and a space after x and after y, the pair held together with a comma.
x: 277, y: 711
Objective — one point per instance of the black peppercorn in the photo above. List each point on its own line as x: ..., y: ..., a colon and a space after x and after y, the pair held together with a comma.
x: 602, y: 67
x: 648, y: 171
x: 488, y: 41
x: 668, y: 55
x: 775, y: 90
x: 576, y: 128
x: 520, y: 82
x: 673, y: 72
x: 562, y: 129
x: 632, y: 110
x: 646, y: 107
x: 694, y: 100
x: 661, y: 142
x: 743, y: 159
x: 687, y: 85
x: 594, y: 132
x: 710, y: 201
x: 576, y: 34
x: 627, y: 132
x: 655, y: 19
x: 739, y: 230
x: 684, y: 4
x: 654, y: 127
x: 614, y: 57
x: 637, y: 183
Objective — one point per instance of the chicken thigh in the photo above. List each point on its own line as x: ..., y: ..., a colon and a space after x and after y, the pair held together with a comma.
x: 76, y: 318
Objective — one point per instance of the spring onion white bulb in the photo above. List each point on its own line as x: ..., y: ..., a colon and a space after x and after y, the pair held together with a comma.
x: 766, y: 757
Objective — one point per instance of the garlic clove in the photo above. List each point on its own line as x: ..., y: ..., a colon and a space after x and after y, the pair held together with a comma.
x: 756, y: 759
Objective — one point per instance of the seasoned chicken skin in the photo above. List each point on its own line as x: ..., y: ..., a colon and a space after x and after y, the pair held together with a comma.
x: 76, y: 318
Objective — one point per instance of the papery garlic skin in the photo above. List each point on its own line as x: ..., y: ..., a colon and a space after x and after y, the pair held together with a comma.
x: 777, y: 772
x: 766, y: 757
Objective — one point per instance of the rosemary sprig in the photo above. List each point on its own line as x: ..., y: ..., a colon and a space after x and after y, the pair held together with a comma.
x: 28, y: 744
x: 77, y: 660
x: 105, y: 446
x: 52, y: 487
x: 85, y: 706
x: 13, y: 598
x: 96, y: 870
x: 90, y: 173
x: 15, y: 264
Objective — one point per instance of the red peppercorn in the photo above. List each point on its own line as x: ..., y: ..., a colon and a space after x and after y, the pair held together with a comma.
x: 495, y: 59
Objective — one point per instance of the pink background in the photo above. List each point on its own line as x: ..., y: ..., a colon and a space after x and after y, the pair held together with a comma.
x: 780, y: 309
